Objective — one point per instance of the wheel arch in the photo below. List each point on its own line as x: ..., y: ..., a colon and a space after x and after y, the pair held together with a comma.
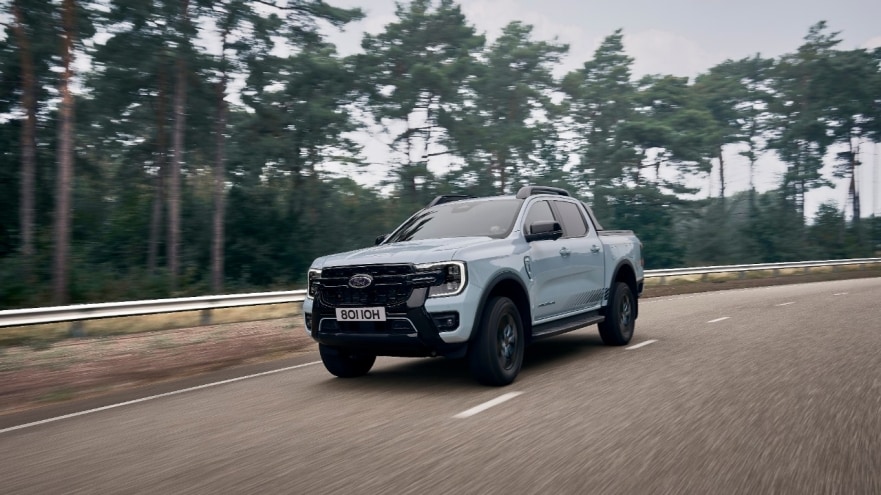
x: 625, y: 272
x: 507, y: 284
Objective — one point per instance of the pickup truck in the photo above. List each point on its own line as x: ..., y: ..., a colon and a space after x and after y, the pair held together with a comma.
x: 476, y: 278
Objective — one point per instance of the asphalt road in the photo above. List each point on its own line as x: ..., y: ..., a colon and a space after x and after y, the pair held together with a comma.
x: 770, y: 390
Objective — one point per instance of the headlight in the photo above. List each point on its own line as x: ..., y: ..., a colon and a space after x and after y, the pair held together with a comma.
x: 453, y: 278
x: 312, y: 287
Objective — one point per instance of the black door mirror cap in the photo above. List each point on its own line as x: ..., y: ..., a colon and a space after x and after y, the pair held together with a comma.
x: 544, y: 230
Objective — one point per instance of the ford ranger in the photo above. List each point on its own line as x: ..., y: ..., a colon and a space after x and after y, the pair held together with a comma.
x: 476, y: 278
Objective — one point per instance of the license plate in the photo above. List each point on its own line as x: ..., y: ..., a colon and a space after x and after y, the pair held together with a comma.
x: 360, y: 314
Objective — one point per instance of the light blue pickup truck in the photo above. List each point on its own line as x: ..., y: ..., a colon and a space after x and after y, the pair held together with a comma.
x: 476, y: 278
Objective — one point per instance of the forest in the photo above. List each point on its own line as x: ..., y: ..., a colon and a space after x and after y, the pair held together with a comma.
x: 167, y: 148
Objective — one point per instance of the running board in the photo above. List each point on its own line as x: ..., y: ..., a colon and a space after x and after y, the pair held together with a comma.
x: 564, y: 325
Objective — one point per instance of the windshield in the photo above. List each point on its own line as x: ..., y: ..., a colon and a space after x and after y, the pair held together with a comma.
x: 493, y: 218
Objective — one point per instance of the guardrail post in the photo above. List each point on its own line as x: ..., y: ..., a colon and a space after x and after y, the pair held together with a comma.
x: 205, y: 317
x: 77, y: 329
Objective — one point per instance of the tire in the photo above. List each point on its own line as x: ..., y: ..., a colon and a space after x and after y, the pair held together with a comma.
x: 496, y: 353
x: 345, y: 363
x: 617, y: 329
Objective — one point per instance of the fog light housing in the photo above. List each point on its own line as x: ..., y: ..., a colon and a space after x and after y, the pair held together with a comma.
x: 447, y: 321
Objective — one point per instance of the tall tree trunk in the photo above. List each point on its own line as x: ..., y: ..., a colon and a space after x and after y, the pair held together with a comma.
x: 28, y: 139
x: 503, y: 177
x: 721, y: 175
x: 217, y: 238
x: 180, y: 96
x: 161, y: 154
x: 752, y: 185
x: 853, y: 189
x: 64, y: 182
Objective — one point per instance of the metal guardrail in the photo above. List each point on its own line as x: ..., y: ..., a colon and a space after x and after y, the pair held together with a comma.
x: 672, y: 272
x: 58, y: 314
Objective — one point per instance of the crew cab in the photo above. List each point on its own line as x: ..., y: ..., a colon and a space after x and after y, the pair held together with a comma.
x: 476, y: 278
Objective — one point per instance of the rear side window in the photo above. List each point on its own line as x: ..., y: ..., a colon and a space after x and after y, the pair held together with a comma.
x: 572, y: 219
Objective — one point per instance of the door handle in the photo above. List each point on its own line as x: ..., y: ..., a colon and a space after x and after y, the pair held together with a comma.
x: 565, y: 252
x: 594, y: 249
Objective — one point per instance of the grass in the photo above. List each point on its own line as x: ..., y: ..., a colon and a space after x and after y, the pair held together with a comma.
x: 57, y: 395
x: 11, y: 363
x: 162, y: 343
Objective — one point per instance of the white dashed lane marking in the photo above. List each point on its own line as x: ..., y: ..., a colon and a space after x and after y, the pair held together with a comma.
x: 641, y: 344
x: 785, y: 304
x: 719, y: 319
x: 153, y: 397
x: 840, y: 294
x: 486, y: 405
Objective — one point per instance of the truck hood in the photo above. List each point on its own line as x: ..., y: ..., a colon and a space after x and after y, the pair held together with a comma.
x: 417, y: 252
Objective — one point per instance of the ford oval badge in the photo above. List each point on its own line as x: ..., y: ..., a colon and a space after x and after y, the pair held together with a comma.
x: 360, y: 281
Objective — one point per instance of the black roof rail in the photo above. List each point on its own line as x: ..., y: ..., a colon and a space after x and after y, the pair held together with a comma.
x: 448, y: 198
x: 527, y: 191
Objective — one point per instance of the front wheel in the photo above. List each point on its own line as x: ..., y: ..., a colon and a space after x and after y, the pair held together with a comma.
x: 345, y: 363
x: 617, y: 329
x: 496, y: 353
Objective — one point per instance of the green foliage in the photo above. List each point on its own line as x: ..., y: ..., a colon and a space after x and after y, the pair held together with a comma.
x: 601, y: 101
x: 412, y: 74
x: 509, y: 114
x: 651, y: 214
x: 827, y: 235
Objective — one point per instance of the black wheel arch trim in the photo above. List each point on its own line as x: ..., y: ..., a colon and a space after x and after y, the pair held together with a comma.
x: 503, y: 276
x: 633, y: 288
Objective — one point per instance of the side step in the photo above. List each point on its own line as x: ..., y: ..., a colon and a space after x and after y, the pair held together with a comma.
x: 564, y: 325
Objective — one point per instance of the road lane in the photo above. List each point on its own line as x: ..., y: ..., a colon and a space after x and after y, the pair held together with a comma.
x: 776, y: 398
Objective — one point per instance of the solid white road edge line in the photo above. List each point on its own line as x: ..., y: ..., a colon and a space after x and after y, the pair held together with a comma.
x: 486, y: 405
x: 641, y: 344
x: 719, y: 319
x: 785, y: 304
x: 152, y: 397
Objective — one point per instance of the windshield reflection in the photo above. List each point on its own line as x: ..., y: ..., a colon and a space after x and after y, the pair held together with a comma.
x: 493, y: 218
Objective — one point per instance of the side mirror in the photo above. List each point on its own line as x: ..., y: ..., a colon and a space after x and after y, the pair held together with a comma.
x: 544, y: 231
x: 379, y: 239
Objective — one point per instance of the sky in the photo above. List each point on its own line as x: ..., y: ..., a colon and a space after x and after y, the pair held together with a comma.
x: 678, y: 37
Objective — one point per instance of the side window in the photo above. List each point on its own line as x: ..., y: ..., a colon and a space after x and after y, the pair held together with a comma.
x: 572, y: 219
x: 540, y: 211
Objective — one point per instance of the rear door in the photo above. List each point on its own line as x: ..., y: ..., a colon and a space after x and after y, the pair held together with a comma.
x: 585, y: 258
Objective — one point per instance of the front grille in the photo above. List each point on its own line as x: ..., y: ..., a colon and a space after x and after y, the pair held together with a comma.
x: 391, y: 286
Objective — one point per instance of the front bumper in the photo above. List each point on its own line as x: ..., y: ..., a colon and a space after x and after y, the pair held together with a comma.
x: 409, y: 330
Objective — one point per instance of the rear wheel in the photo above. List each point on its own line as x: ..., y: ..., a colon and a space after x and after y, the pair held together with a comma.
x: 345, y: 363
x: 617, y: 329
x: 496, y: 353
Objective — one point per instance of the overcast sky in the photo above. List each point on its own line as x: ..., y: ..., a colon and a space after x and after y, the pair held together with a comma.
x: 679, y: 37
